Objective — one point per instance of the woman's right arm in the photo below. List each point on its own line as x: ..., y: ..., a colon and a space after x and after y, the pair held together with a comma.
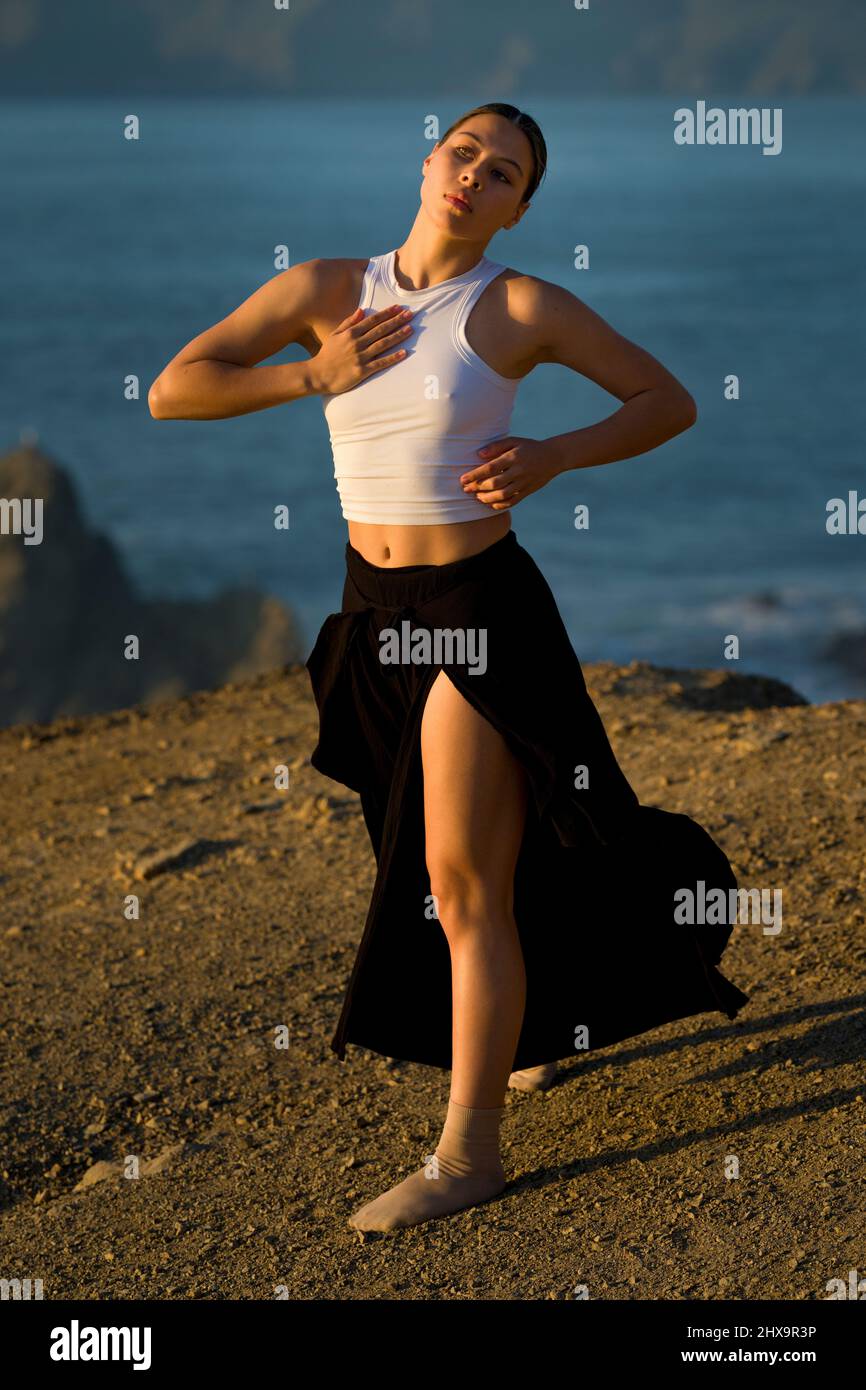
x: 216, y: 376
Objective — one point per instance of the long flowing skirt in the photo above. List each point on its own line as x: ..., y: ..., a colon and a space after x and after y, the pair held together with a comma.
x: 599, y: 876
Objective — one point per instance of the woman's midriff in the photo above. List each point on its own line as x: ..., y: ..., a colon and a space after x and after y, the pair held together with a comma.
x: 394, y: 546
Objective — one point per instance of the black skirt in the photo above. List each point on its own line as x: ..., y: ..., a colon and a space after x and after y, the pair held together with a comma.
x: 597, y: 871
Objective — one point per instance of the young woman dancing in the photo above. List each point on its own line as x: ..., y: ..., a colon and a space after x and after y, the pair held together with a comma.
x: 524, y: 903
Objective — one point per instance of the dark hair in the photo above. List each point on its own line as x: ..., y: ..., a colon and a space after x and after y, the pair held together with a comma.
x: 524, y: 122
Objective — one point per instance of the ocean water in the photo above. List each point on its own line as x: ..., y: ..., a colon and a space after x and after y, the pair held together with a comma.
x: 717, y: 260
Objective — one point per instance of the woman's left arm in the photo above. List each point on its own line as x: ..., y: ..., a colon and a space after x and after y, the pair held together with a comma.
x: 655, y: 405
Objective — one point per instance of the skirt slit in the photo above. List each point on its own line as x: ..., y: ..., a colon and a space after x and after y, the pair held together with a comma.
x: 597, y: 870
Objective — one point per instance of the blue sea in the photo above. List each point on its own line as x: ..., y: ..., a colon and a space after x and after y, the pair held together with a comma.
x: 718, y: 260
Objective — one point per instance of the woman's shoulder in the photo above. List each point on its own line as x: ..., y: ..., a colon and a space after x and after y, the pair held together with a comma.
x: 333, y: 271
x: 524, y: 311
x: 326, y: 285
x: 338, y: 279
x: 532, y: 301
x: 525, y: 299
x: 522, y: 287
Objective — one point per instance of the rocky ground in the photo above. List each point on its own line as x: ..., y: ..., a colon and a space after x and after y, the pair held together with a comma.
x: 158, y: 1144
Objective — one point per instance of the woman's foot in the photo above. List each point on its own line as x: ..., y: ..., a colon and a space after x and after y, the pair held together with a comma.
x: 533, y: 1078
x: 424, y: 1196
x: 465, y: 1169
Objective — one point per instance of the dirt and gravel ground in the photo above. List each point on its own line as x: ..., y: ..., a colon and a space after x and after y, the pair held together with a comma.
x: 159, y: 1143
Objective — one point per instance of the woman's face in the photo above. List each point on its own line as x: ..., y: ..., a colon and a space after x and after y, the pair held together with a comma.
x: 487, y: 161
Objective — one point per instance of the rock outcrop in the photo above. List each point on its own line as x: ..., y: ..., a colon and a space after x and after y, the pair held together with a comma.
x: 67, y: 608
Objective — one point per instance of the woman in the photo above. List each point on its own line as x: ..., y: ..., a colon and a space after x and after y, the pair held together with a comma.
x: 449, y: 695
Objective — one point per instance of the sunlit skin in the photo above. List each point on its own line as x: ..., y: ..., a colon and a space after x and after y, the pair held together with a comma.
x: 472, y: 781
x: 475, y: 790
x: 489, y: 161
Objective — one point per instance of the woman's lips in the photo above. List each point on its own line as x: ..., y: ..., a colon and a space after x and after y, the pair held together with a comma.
x: 457, y: 203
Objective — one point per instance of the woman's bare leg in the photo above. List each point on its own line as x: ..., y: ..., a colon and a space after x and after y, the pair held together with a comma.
x: 474, y: 809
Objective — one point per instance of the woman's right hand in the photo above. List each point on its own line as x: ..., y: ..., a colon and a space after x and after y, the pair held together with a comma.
x: 355, y: 349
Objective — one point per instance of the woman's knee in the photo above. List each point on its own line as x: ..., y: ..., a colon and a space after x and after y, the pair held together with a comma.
x: 466, y: 897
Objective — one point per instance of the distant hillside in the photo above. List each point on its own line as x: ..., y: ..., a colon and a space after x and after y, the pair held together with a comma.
x: 343, y: 49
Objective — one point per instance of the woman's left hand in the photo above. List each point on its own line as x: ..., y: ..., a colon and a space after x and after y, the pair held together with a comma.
x: 512, y: 468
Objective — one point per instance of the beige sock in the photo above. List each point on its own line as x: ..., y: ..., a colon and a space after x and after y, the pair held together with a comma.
x: 533, y: 1078
x: 465, y: 1169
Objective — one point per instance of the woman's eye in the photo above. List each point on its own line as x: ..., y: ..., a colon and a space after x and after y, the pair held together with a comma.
x: 462, y: 149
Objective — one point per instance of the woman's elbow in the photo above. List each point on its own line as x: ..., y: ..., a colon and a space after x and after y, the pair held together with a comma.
x: 689, y: 409
x: 155, y: 403
x: 683, y: 410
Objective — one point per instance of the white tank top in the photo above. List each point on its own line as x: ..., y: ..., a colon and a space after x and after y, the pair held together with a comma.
x: 402, y: 437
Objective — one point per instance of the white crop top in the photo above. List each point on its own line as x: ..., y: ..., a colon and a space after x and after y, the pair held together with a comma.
x: 402, y: 437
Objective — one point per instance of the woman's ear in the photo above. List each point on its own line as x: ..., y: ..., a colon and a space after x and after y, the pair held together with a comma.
x: 524, y: 207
